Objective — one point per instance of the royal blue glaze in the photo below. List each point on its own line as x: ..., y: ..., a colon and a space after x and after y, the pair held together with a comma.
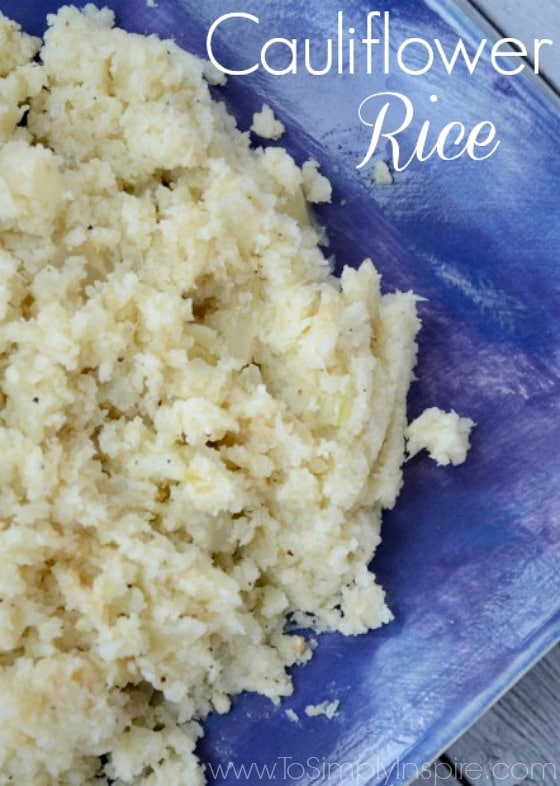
x: 471, y: 555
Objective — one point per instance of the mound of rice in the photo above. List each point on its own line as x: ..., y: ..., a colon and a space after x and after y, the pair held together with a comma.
x: 199, y: 424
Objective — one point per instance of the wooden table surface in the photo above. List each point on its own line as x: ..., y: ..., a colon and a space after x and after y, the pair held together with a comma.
x: 527, y: 20
x: 517, y: 742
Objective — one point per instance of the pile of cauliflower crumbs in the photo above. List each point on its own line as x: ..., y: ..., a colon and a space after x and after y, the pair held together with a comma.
x: 199, y: 425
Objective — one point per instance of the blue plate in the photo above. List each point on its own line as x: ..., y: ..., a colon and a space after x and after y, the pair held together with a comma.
x: 471, y: 555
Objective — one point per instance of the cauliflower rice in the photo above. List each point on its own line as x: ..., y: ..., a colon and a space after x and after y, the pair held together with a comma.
x: 199, y: 424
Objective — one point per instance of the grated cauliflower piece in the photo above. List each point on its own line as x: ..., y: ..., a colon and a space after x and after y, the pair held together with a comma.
x: 444, y: 435
x: 266, y: 125
x: 327, y: 708
x: 382, y: 175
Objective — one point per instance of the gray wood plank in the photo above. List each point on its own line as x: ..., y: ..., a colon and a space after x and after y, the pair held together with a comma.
x: 527, y: 20
x: 518, y: 740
